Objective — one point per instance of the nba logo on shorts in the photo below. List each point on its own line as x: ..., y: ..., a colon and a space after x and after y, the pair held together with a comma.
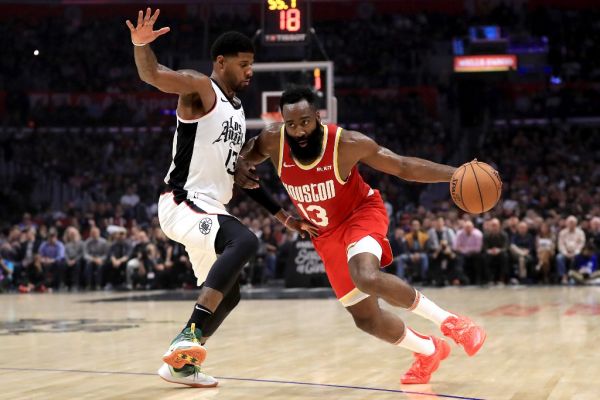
x: 205, y: 225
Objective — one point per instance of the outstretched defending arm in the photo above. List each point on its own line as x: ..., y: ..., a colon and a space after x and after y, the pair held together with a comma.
x: 366, y: 150
x: 157, y: 75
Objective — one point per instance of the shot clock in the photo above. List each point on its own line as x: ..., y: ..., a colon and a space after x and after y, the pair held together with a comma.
x: 285, y: 21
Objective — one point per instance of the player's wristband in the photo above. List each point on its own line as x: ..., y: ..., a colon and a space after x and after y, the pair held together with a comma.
x: 138, y: 44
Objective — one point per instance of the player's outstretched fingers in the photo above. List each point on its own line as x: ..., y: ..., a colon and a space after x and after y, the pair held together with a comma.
x: 312, y: 230
x: 155, y: 16
x: 162, y: 31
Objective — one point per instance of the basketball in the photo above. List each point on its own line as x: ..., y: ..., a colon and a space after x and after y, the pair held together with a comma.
x: 475, y: 187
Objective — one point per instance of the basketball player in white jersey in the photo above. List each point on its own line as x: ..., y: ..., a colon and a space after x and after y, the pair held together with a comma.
x: 210, y: 133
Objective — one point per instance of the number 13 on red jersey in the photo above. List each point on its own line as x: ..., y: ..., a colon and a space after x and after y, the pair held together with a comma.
x: 318, y: 215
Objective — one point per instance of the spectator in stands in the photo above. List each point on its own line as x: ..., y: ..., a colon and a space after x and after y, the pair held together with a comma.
x: 522, y: 249
x: 135, y: 274
x: 585, y: 266
x: 52, y: 253
x: 511, y: 226
x: 415, y: 262
x: 130, y: 199
x: 118, y: 255
x: 571, y: 240
x: 164, y: 270
x: 35, y: 277
x: 95, y: 251
x: 594, y: 233
x: 495, y: 257
x: 26, y: 251
x: 73, y: 257
x: 468, y: 246
x: 443, y: 257
x: 6, y: 273
x: 545, y: 247
x: 153, y: 266
x: 163, y: 245
x: 27, y: 222
x: 398, y: 245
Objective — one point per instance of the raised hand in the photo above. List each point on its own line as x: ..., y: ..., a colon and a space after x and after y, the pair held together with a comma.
x: 143, y: 33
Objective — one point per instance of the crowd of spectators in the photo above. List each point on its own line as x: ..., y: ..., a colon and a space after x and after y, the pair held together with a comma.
x: 400, y: 53
x: 461, y: 251
x: 550, y: 173
x: 104, y: 233
x: 107, y: 249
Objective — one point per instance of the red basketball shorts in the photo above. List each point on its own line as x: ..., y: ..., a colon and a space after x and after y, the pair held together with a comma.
x: 368, y: 219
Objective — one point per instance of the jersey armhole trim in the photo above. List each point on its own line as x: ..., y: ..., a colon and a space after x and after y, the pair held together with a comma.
x: 336, y: 169
x: 189, y: 121
x: 281, y: 143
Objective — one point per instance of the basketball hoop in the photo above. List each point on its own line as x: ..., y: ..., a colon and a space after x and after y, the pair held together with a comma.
x: 272, y: 78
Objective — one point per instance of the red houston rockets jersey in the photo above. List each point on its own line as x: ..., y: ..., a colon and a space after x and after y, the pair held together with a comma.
x: 317, y: 190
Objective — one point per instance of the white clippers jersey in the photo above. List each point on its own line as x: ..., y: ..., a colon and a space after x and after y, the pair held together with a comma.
x: 205, y: 151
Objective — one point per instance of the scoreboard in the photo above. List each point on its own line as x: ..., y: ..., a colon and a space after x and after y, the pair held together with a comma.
x: 285, y: 21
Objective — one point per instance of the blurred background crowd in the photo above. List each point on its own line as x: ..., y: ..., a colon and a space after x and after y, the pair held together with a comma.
x: 85, y: 144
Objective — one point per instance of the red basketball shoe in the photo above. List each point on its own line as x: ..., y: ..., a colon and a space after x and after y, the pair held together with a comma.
x: 423, y: 366
x: 465, y: 333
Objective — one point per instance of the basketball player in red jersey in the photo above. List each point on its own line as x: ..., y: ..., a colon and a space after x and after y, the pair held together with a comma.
x: 317, y: 165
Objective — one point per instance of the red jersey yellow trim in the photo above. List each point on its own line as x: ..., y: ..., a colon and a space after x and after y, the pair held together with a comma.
x: 336, y: 169
x: 281, y: 143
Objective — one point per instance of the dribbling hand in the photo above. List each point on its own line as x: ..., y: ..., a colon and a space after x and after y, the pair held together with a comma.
x: 143, y: 33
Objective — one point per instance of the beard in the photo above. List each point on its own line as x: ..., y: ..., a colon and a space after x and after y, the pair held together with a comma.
x: 313, y: 148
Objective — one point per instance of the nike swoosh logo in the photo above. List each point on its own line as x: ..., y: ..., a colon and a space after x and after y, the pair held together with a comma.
x: 224, y: 100
x: 288, y: 165
x: 198, y: 308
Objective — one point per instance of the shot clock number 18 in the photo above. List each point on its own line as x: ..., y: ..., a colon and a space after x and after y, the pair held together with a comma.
x: 285, y: 21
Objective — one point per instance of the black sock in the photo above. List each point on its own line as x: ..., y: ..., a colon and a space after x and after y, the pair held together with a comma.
x: 199, y: 317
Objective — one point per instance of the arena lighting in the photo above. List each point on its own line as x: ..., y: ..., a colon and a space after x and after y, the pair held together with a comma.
x: 317, y: 75
x: 485, y: 63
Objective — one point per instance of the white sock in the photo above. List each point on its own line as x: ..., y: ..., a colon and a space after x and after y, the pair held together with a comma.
x: 428, y: 309
x: 416, y: 342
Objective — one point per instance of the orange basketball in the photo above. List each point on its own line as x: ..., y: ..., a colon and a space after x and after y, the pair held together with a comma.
x: 475, y: 187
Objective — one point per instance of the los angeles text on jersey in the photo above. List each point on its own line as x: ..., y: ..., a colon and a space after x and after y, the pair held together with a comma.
x: 312, y: 193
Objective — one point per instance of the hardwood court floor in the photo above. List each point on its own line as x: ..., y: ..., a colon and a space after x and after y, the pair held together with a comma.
x: 542, y: 344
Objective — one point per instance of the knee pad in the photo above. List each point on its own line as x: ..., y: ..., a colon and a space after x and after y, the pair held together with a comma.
x: 366, y: 245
